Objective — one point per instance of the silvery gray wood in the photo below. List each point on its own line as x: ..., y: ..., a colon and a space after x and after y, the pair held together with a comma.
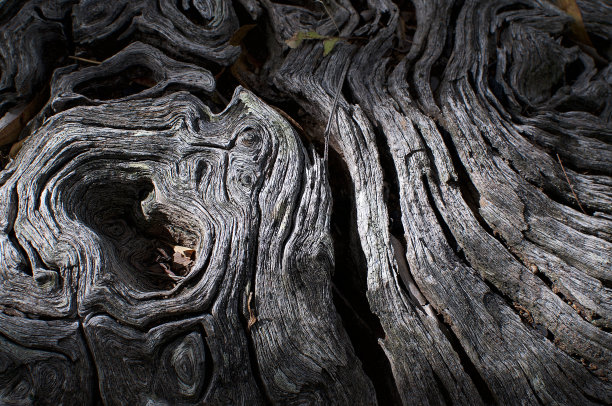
x: 440, y: 256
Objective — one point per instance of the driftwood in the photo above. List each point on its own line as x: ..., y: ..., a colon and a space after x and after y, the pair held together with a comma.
x: 172, y: 234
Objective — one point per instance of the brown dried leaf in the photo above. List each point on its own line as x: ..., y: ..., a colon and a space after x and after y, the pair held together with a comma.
x: 16, y: 147
x: 240, y: 34
x: 16, y: 118
x: 572, y: 9
x: 182, y: 260
x: 11, y: 124
x: 185, y: 251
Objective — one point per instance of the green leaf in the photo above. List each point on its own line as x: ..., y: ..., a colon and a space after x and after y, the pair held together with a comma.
x: 329, y: 44
x: 314, y: 35
x: 297, y: 38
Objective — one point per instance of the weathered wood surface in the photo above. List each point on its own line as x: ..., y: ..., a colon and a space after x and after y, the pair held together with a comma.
x: 454, y: 249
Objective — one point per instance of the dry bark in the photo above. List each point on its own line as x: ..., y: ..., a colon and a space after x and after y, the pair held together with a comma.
x: 172, y: 234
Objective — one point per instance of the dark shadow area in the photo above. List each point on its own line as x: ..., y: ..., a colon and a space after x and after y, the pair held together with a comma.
x: 131, y: 80
x: 143, y: 242
x: 350, y: 286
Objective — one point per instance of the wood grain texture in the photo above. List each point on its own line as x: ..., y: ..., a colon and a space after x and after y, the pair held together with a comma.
x: 453, y: 249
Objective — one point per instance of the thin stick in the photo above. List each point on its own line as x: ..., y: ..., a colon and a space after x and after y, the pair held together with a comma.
x: 570, y: 185
x: 330, y: 16
x: 333, y: 110
x: 78, y: 58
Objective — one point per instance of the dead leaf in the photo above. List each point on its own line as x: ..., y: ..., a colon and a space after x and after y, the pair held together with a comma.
x: 11, y: 124
x: 329, y: 44
x: 240, y: 34
x: 297, y: 38
x: 571, y: 8
x: 16, y: 148
x: 313, y: 35
x: 182, y: 260
x: 16, y: 118
x: 185, y: 251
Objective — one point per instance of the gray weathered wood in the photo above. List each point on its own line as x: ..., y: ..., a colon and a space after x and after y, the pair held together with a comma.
x: 170, y: 232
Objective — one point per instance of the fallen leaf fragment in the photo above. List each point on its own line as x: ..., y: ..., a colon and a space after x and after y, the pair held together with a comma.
x: 571, y: 8
x: 329, y: 44
x: 11, y: 124
x: 16, y: 119
x: 297, y: 38
x: 240, y: 34
x: 16, y: 147
x: 181, y: 260
x: 186, y: 251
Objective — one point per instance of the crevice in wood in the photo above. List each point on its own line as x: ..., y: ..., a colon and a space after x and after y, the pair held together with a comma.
x: 303, y: 123
x: 438, y: 68
x: 518, y: 309
x: 472, y: 198
x: 466, y: 187
x: 66, y: 22
x: 523, y: 314
x: 391, y: 192
x: 13, y: 238
x: 130, y: 81
x: 602, y: 47
x: 549, y: 189
x: 209, y: 366
x: 349, y: 280
x: 243, y: 313
x: 4, y: 156
x: 253, y: 362
x: 468, y: 366
x: 445, y: 394
x: 471, y: 195
x: 450, y: 238
x: 102, y: 49
x: 487, y: 396
x: 188, y: 9
x: 96, y: 394
x: 61, y: 230
x: 391, y: 195
x: 347, y: 93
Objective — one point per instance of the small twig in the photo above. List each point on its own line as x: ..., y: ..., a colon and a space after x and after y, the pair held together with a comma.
x: 570, y: 185
x: 218, y: 75
x: 78, y: 58
x: 330, y: 16
x: 333, y: 110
